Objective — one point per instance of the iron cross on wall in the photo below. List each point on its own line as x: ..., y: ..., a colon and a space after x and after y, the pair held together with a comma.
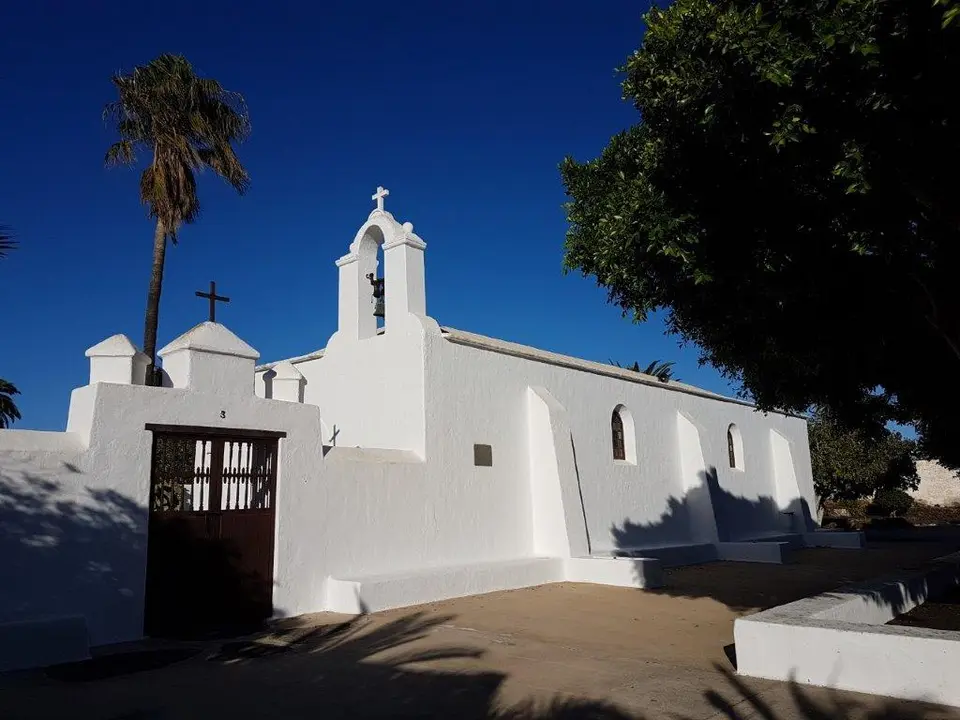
x: 214, y: 299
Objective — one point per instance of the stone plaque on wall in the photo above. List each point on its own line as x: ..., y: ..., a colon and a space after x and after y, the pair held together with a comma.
x: 483, y: 455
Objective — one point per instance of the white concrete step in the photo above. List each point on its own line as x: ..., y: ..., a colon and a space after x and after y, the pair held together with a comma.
x: 794, y: 540
x: 413, y: 587
x: 672, y: 555
x: 765, y: 551
x: 617, y: 571
x: 373, y: 593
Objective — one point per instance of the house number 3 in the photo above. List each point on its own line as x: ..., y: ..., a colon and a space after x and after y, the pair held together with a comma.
x: 223, y: 414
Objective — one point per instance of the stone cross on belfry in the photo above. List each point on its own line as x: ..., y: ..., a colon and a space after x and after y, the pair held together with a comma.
x: 379, y: 195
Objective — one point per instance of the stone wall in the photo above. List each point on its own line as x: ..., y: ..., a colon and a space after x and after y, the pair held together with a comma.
x: 938, y: 485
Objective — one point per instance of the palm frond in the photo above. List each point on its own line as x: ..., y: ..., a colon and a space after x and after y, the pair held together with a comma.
x: 8, y: 408
x: 7, y: 243
x: 663, y: 371
x: 187, y: 123
x: 120, y: 153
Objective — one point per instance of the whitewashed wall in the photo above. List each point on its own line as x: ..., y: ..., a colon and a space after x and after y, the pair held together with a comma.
x: 474, y: 395
x: 370, y: 392
x: 399, y: 509
x: 75, y: 517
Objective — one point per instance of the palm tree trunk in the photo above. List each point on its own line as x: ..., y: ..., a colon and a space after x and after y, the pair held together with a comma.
x: 152, y: 317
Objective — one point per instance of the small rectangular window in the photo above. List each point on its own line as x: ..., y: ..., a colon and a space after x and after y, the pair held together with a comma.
x: 483, y: 455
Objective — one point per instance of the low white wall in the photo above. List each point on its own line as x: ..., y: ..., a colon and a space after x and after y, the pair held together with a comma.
x: 73, y: 521
x: 838, y: 639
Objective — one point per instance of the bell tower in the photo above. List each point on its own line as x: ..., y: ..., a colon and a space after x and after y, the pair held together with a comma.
x: 398, y: 290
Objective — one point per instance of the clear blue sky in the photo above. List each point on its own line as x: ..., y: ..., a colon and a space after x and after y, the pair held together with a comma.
x: 463, y: 110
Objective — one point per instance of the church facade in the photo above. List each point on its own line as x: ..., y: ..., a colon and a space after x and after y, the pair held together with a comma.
x: 405, y: 462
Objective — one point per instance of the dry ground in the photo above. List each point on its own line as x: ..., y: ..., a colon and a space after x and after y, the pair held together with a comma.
x: 557, y: 651
x: 940, y: 614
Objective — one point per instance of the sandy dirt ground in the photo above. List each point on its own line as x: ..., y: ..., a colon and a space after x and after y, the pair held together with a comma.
x: 940, y: 614
x: 557, y: 651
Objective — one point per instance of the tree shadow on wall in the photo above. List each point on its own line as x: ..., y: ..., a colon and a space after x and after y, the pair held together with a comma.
x: 707, y: 506
x: 67, y: 550
x: 750, y: 585
x: 378, y: 667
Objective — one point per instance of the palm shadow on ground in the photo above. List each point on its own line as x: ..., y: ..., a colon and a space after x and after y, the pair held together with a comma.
x: 362, y: 669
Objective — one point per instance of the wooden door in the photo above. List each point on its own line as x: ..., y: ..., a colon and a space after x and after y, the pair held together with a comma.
x: 211, y: 532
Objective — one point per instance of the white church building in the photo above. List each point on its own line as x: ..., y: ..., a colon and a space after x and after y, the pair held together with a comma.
x: 405, y: 462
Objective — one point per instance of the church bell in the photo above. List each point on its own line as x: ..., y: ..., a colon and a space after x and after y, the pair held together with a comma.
x: 378, y: 292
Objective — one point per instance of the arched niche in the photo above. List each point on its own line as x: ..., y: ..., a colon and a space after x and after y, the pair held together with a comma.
x: 623, y: 435
x: 734, y: 447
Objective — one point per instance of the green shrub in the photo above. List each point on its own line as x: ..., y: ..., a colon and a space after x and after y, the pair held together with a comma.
x: 890, y: 502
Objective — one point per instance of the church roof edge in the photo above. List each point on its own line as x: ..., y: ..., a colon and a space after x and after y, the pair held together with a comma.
x: 504, y: 347
x: 528, y: 352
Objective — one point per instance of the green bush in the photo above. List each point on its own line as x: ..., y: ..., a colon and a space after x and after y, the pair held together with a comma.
x: 890, y: 502
x: 849, y: 464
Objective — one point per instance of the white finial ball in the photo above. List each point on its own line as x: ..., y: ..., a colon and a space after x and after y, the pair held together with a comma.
x: 408, y: 227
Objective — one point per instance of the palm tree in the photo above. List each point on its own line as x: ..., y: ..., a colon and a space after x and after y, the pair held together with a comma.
x: 8, y: 408
x: 187, y: 123
x: 662, y: 371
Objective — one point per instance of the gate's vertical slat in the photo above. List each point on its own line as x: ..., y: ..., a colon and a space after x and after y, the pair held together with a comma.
x: 237, y: 475
x: 228, y: 472
x: 216, y: 476
x: 235, y: 472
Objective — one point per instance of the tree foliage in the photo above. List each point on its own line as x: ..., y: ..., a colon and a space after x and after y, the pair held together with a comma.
x: 851, y: 464
x: 662, y: 370
x: 789, y: 197
x: 186, y: 123
x: 8, y: 408
x: 9, y: 412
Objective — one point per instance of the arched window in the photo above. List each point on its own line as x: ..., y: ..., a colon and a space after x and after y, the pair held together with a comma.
x: 623, y: 435
x: 734, y: 447
x: 619, y: 451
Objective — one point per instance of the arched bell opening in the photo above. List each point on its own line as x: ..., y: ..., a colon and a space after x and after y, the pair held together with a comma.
x: 372, y: 301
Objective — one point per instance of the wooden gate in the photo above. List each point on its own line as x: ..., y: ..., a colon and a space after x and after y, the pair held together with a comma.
x: 212, y: 515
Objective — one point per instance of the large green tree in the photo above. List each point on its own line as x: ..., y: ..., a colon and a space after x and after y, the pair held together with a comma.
x: 789, y: 196
x: 8, y: 408
x: 851, y: 464
x: 185, y: 123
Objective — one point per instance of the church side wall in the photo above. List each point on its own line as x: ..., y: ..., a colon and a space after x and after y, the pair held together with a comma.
x: 478, y: 396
